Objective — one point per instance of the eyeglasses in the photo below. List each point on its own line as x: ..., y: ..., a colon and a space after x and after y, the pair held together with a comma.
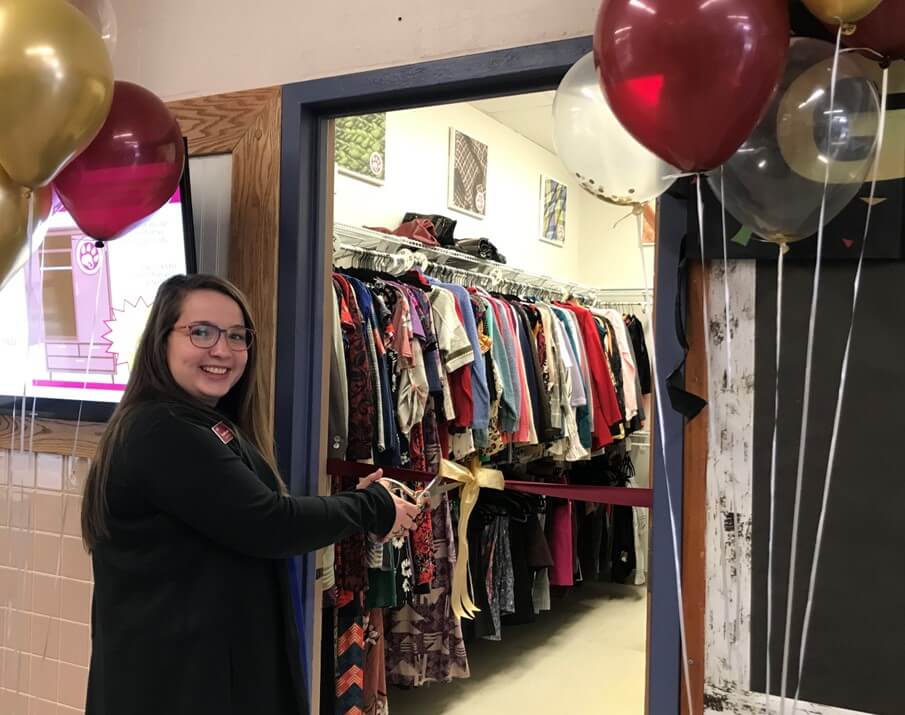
x: 206, y: 335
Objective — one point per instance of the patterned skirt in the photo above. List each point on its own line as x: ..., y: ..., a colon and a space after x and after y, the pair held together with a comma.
x: 424, y: 641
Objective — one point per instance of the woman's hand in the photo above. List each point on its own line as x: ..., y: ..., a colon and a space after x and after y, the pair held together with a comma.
x: 406, y: 512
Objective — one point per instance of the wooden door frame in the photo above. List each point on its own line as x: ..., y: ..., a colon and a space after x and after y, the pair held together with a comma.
x: 694, y: 522
x: 246, y: 125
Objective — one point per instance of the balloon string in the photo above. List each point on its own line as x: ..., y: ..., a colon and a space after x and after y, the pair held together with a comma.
x: 639, y: 223
x: 25, y: 530
x: 627, y: 216
x: 808, y: 374
x: 28, y: 278
x: 783, y: 249
x: 101, y: 277
x: 679, y: 175
x: 660, y: 420
x: 878, y: 55
x: 15, y: 551
x: 40, y: 299
x: 843, y: 379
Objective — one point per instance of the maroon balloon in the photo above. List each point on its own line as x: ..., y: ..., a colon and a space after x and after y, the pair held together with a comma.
x: 690, y: 79
x: 883, y: 30
x: 130, y: 170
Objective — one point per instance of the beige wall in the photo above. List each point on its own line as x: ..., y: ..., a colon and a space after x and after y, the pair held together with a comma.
x: 44, y: 617
x: 183, y: 48
x: 595, y: 252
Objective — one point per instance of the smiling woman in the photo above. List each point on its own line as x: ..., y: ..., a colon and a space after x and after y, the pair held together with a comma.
x: 190, y: 528
x: 204, y: 365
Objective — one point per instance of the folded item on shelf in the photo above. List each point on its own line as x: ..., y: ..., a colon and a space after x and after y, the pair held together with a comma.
x: 421, y: 230
x: 481, y: 248
x: 443, y: 227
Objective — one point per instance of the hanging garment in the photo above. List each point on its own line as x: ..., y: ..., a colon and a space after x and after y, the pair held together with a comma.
x: 542, y: 412
x: 461, y: 384
x: 623, y: 553
x: 584, y: 414
x: 511, y: 406
x: 481, y: 399
x: 350, y: 658
x: 502, y: 578
x: 338, y: 422
x: 508, y: 402
x: 614, y: 364
x: 375, y: 677
x: 526, y: 433
x: 636, y: 331
x: 424, y: 639
x: 531, y: 369
x: 358, y: 374
x: 571, y: 447
x: 639, y: 419
x: 390, y: 453
x: 551, y: 367
x: 411, y: 372
x: 606, y: 408
x: 522, y: 573
x: 629, y: 367
x: 452, y: 340
x: 561, y: 545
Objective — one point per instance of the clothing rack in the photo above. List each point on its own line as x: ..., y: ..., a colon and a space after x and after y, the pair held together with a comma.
x: 398, y: 255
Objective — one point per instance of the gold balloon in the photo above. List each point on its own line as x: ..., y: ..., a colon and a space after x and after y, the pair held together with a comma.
x: 56, y: 87
x: 841, y: 12
x: 14, y: 243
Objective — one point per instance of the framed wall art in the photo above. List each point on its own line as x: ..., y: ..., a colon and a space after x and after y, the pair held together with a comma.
x: 649, y: 232
x: 361, y: 144
x: 553, y: 197
x: 467, y: 174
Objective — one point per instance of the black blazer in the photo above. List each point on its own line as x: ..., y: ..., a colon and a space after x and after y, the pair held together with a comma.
x: 192, y: 613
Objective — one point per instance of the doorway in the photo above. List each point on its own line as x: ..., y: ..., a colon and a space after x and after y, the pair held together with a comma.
x: 307, y: 203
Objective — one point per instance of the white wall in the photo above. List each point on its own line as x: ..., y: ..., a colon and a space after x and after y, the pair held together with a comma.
x: 417, y: 180
x: 611, y: 256
x: 181, y: 48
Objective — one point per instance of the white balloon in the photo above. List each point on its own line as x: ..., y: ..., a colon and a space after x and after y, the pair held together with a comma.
x: 594, y: 146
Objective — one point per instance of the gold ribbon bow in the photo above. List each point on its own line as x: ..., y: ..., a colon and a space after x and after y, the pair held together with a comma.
x: 473, y: 478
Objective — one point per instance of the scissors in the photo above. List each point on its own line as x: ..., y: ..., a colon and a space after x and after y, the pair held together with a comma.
x: 434, y: 491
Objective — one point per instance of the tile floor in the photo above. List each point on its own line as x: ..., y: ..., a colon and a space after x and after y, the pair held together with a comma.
x: 587, y: 656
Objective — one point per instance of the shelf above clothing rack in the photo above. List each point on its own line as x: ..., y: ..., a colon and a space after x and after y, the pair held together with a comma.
x: 351, y: 240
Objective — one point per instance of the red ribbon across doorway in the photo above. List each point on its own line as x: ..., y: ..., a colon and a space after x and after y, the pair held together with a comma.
x: 617, y: 496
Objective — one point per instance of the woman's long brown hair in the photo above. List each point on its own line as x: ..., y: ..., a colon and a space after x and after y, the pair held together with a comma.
x: 152, y: 381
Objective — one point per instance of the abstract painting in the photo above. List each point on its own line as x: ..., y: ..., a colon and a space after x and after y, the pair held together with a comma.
x: 467, y: 175
x: 553, y: 211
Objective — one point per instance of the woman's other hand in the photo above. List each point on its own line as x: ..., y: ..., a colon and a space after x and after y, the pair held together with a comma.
x: 367, y: 481
x: 406, y: 512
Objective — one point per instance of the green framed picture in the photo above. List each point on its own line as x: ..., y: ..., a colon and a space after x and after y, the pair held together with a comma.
x: 361, y: 144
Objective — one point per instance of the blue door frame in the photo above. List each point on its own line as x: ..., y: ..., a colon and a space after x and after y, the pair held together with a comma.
x: 300, y: 389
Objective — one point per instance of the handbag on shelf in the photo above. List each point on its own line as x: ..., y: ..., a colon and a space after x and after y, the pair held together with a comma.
x: 421, y: 230
x: 443, y: 227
